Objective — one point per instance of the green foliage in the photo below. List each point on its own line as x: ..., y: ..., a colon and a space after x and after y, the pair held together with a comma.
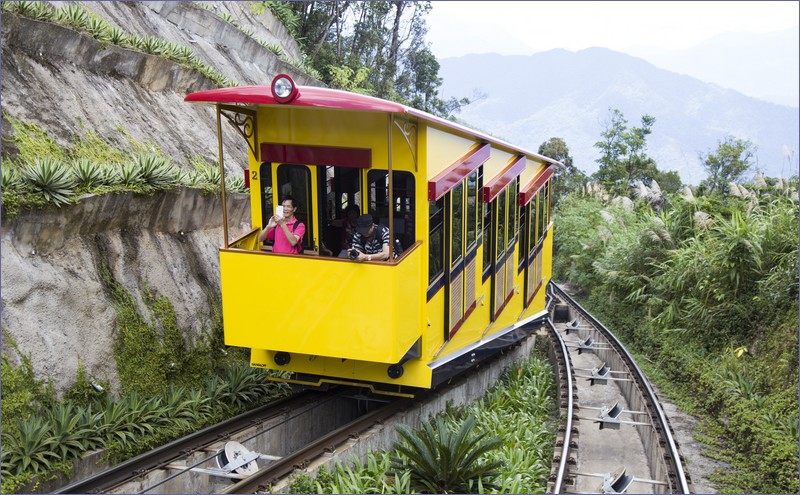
x: 727, y: 163
x: 50, y: 179
x: 23, y: 393
x: 568, y: 179
x: 31, y: 447
x: 374, y: 48
x: 443, y: 460
x: 31, y: 141
x: 705, y: 292
x: 623, y: 158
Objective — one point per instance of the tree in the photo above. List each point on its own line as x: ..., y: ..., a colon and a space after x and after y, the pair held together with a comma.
x: 728, y: 163
x: 375, y: 48
x: 567, y: 179
x: 623, y: 159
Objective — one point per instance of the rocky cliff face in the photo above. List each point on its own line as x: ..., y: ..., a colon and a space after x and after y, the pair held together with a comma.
x: 54, y: 304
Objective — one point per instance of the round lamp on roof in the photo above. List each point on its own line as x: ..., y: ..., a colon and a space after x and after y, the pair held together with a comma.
x: 283, y: 88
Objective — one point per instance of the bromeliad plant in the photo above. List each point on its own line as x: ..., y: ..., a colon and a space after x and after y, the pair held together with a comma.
x: 442, y: 459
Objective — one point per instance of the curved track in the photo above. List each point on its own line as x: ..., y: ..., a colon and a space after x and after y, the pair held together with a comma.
x: 614, y: 435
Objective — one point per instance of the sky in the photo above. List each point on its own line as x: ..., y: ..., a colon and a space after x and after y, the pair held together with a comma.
x: 525, y: 27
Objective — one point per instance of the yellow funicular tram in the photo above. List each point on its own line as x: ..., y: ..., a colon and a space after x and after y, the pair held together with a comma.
x: 471, y: 212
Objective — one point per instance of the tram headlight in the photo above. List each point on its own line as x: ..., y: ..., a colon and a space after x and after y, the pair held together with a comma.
x: 283, y: 88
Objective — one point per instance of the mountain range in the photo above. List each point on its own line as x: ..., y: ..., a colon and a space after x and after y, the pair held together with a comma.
x: 527, y: 100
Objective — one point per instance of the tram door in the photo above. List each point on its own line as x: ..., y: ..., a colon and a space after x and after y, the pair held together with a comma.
x: 461, y: 205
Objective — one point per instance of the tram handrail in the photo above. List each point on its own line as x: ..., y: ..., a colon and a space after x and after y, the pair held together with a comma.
x: 662, y: 417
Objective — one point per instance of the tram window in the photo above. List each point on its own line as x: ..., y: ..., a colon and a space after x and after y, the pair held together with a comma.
x: 532, y: 224
x: 523, y: 215
x: 403, y: 208
x: 457, y: 236
x: 472, y: 210
x: 540, y: 208
x: 435, y: 253
x: 501, y: 223
x: 487, y: 246
x: 546, y: 190
x: 513, y: 212
x: 338, y: 188
x: 295, y: 180
x: 266, y: 192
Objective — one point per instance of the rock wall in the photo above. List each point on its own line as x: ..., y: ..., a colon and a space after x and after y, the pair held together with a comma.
x: 69, y: 83
x: 53, y: 301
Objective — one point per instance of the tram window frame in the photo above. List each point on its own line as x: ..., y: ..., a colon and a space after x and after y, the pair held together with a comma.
x: 540, y: 225
x: 532, y: 224
x: 501, y: 224
x: 513, y: 213
x: 404, y: 195
x: 487, y: 238
x: 523, y: 237
x: 303, y: 197
x: 436, y: 233
x: 457, y: 231
x: 267, y: 210
x: 472, y: 211
x: 337, y: 188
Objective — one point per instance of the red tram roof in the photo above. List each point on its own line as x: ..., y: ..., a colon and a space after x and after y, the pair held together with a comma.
x: 313, y: 96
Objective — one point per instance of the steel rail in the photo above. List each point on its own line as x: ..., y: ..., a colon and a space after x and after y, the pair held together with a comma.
x: 279, y: 469
x: 561, y: 346
x: 181, y: 447
x: 673, y: 458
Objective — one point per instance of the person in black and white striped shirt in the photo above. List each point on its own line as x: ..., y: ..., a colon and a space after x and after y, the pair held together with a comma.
x: 370, y: 241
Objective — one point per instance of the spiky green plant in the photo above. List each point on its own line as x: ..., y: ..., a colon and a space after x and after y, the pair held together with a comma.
x: 99, y: 29
x: 129, y: 175
x: 234, y: 183
x: 117, y: 36
x: 68, y: 432
x: 87, y: 174
x: 154, y: 45
x: 156, y: 171
x: 207, y: 173
x: 273, y: 47
x: 40, y: 11
x: 73, y: 15
x: 11, y: 179
x: 118, y: 423
x: 243, y: 385
x: 134, y: 41
x: 50, y: 179
x: 444, y: 460
x: 31, y: 448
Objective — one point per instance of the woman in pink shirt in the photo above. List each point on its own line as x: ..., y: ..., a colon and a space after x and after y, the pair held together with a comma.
x: 285, y: 230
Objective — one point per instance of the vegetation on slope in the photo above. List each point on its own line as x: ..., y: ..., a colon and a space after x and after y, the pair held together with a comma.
x: 702, y: 284
x: 505, y: 441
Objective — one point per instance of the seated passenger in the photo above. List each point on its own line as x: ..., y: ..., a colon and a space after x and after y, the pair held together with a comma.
x: 348, y: 225
x: 285, y: 230
x: 370, y: 241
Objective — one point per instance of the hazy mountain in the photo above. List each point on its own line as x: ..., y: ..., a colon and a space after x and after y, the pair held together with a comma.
x: 767, y: 65
x: 529, y: 99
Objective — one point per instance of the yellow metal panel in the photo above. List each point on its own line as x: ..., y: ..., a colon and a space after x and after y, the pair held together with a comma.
x: 326, y: 127
x: 532, y: 167
x: 443, y: 149
x: 495, y: 164
x: 321, y: 307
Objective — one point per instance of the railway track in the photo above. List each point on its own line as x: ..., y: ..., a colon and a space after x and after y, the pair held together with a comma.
x: 204, y: 444
x: 614, y: 435
x: 613, y: 438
